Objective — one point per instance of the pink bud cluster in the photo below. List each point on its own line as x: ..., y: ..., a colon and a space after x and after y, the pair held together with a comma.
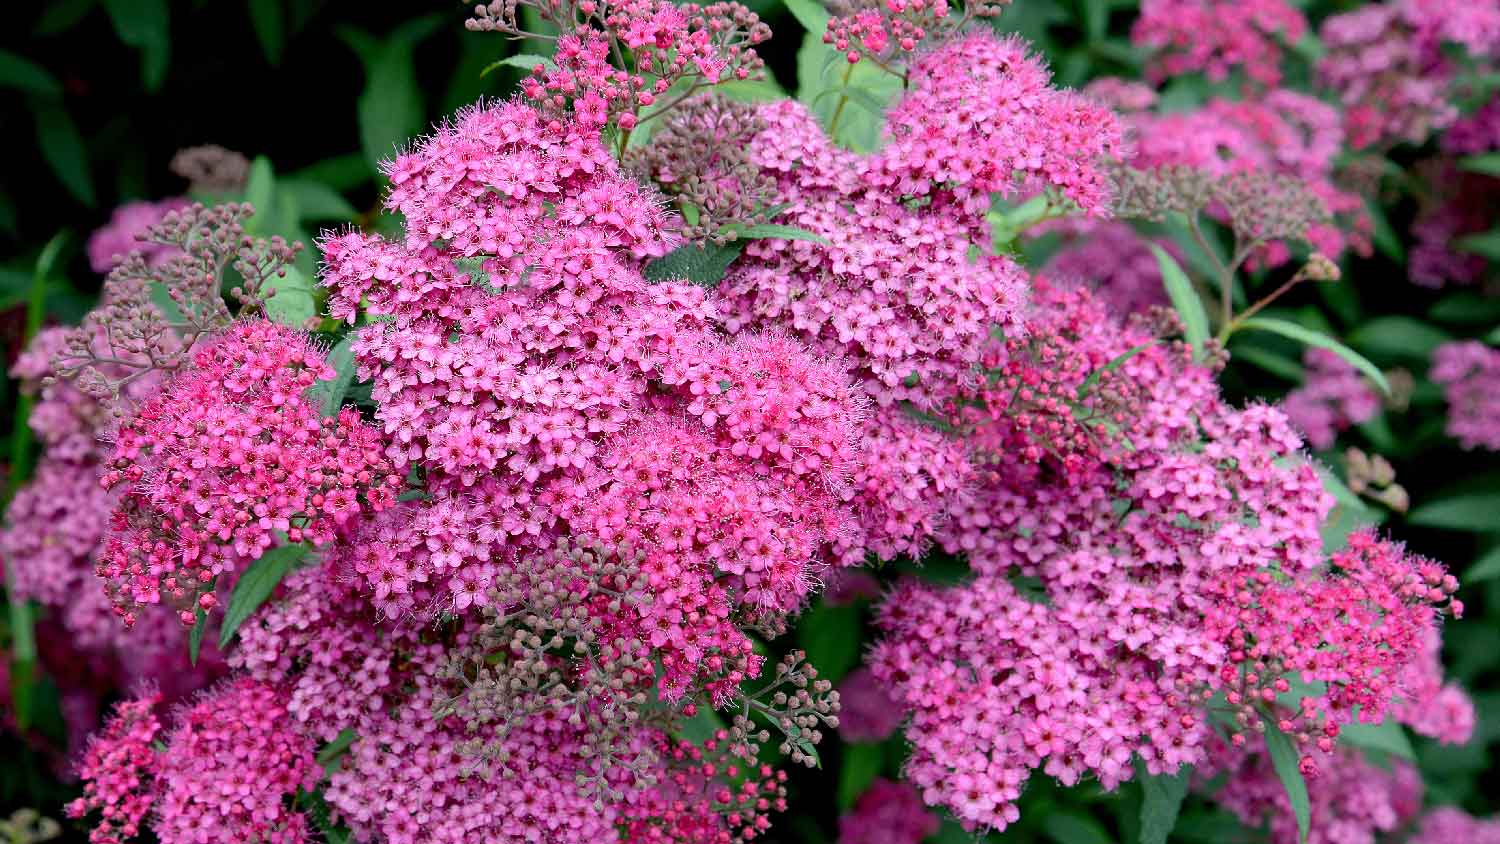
x: 1217, y: 36
x: 1469, y: 372
x: 229, y: 455
x: 887, y: 813
x: 882, y: 30
x: 1385, y: 62
x: 1333, y: 396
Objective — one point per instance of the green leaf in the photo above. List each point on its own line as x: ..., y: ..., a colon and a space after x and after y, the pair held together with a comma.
x: 255, y: 585
x: 524, y: 61
x: 1074, y: 827
x: 62, y: 147
x: 342, y: 172
x: 290, y: 301
x: 1162, y: 798
x: 811, y: 14
x: 859, y: 766
x: 776, y: 231
x: 704, y: 725
x: 705, y: 265
x: 329, y: 395
x: 269, y: 23
x: 1486, y: 245
x: 195, y: 638
x: 260, y: 192
x: 317, y: 201
x: 825, y: 82
x: 26, y: 75
x: 1184, y: 299
x: 332, y: 753
x: 1486, y: 567
x: 1488, y: 164
x: 1385, y: 237
x: 1398, y: 337
x: 144, y: 25
x: 1385, y: 737
x: 1285, y: 759
x: 1466, y: 308
x: 391, y: 108
x: 830, y: 636
x: 1271, y: 362
x: 1307, y: 336
x: 1474, y: 511
x: 62, y: 15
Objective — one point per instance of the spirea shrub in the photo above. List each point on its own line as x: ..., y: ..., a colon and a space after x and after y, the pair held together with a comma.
x: 486, y: 523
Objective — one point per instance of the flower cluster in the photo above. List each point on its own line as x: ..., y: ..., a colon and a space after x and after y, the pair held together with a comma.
x: 228, y: 456
x: 1333, y: 396
x: 881, y: 31
x: 1385, y: 62
x: 669, y: 45
x: 1154, y: 518
x: 1469, y: 372
x: 887, y: 813
x: 1117, y: 263
x: 1217, y: 36
x: 229, y: 766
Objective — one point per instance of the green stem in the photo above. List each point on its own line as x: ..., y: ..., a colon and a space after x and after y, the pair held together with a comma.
x: 838, y: 110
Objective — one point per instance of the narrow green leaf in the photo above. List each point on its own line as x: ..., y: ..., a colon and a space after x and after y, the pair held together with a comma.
x: 1307, y: 336
x: 1285, y: 759
x: 290, y: 301
x: 333, y: 752
x: 1073, y: 827
x: 1488, y: 164
x: 22, y: 630
x: 62, y: 15
x: 1478, y: 512
x: 1385, y: 237
x: 523, y: 61
x: 1162, y: 798
x: 269, y: 23
x: 329, y: 395
x: 1398, y: 337
x: 1487, y: 567
x: 776, y: 231
x: 195, y: 638
x: 1466, y: 308
x: 1486, y: 245
x: 1184, y: 299
x: 26, y: 75
x: 391, y: 108
x: 811, y: 14
x: 860, y: 764
x: 340, y: 173
x: 256, y: 585
x: 146, y: 26
x: 62, y: 147
x: 260, y: 192
x: 705, y: 265
x: 1385, y: 737
x: 317, y: 201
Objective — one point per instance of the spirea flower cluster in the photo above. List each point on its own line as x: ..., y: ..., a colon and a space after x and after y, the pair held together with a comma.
x: 1469, y: 372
